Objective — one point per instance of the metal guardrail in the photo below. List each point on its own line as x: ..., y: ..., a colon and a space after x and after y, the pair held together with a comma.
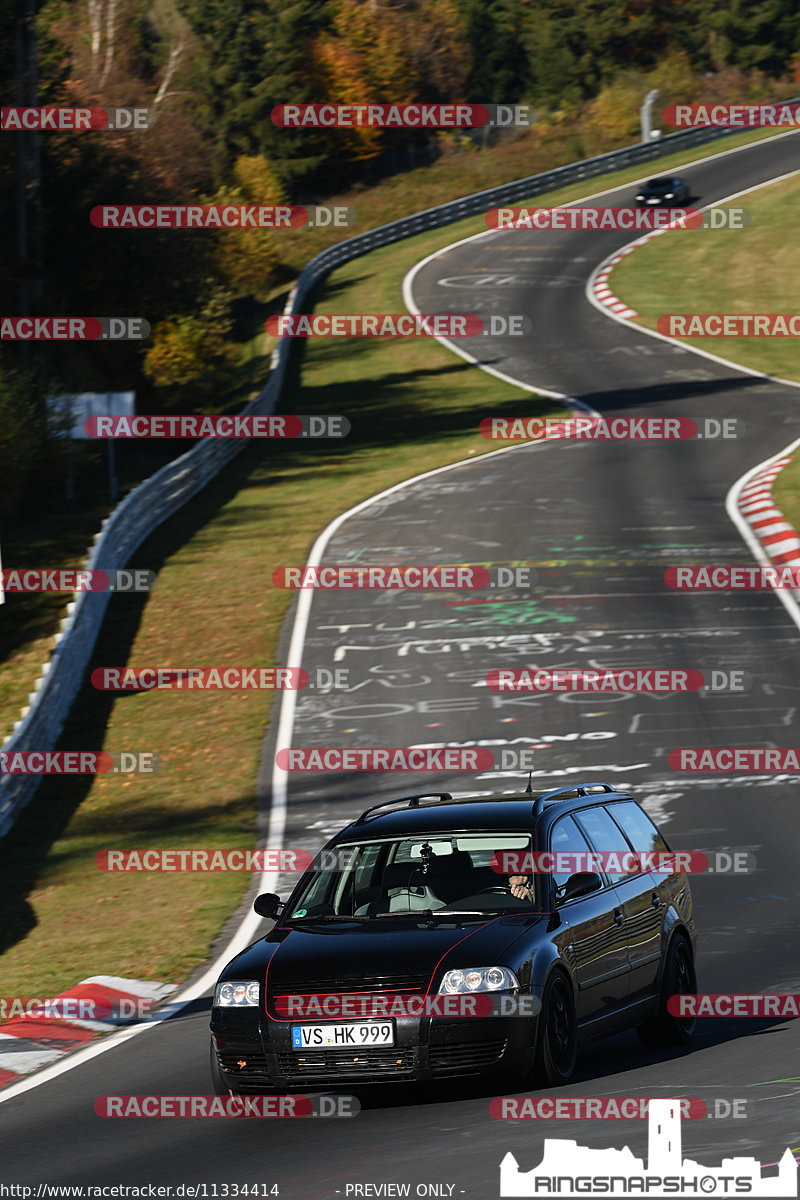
x: 163, y: 494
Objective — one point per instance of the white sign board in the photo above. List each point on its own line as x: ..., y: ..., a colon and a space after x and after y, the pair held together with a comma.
x: 68, y: 413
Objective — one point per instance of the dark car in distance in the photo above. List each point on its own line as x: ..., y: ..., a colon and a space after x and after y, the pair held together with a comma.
x: 668, y: 190
x: 407, y: 903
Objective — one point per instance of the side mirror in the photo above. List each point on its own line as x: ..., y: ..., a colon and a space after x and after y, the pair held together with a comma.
x: 580, y: 885
x: 268, y: 905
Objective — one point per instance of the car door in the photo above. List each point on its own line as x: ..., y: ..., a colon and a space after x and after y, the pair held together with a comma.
x: 598, y: 954
x: 642, y: 905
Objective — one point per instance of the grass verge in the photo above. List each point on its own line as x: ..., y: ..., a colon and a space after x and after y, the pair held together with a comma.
x: 748, y: 271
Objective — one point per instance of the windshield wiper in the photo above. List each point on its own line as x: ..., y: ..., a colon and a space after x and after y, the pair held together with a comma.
x: 427, y: 914
x: 321, y: 917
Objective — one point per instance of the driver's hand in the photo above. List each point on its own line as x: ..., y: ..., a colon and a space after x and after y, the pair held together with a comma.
x: 520, y: 887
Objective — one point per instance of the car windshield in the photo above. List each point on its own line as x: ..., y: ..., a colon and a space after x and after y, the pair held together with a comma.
x: 451, y: 874
x: 660, y: 184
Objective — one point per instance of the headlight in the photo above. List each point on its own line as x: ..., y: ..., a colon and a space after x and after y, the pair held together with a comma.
x: 237, y: 995
x: 478, y: 979
x: 640, y: 196
x: 669, y: 195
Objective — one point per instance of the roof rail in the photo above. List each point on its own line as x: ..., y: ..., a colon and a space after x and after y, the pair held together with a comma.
x: 578, y: 789
x: 411, y: 801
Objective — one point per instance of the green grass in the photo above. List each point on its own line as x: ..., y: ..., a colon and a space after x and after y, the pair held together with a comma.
x: 754, y: 270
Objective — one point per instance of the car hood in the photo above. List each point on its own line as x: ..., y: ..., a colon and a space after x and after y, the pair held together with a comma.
x: 325, y: 955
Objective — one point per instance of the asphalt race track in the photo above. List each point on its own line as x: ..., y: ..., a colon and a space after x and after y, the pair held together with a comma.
x: 599, y: 522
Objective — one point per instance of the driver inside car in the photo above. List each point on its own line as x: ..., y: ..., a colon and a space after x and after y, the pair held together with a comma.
x: 521, y: 887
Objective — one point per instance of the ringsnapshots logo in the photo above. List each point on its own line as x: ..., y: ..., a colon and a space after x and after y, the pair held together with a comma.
x: 567, y: 1169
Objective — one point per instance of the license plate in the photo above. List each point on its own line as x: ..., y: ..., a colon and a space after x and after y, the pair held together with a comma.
x: 352, y: 1034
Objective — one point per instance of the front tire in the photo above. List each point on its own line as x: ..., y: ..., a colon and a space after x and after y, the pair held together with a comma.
x: 679, y: 978
x: 556, y: 1049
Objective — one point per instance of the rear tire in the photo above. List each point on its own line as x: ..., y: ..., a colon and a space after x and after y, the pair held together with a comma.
x: 679, y: 978
x: 556, y: 1050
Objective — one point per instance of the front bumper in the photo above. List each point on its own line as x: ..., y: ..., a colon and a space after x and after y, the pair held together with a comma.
x: 255, y: 1053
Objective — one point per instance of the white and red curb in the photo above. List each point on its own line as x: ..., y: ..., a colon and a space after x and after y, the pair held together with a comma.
x: 603, y: 293
x: 29, y: 1042
x: 778, y: 539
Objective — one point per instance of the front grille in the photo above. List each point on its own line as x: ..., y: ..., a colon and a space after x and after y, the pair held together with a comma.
x: 369, y: 1064
x: 255, y: 1064
x: 466, y: 1056
x: 343, y: 984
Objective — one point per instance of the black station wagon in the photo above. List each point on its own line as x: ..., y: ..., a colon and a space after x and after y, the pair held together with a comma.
x: 429, y: 940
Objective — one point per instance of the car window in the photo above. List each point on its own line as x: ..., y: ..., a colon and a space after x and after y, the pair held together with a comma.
x: 637, y: 826
x: 605, y: 835
x: 565, y: 835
